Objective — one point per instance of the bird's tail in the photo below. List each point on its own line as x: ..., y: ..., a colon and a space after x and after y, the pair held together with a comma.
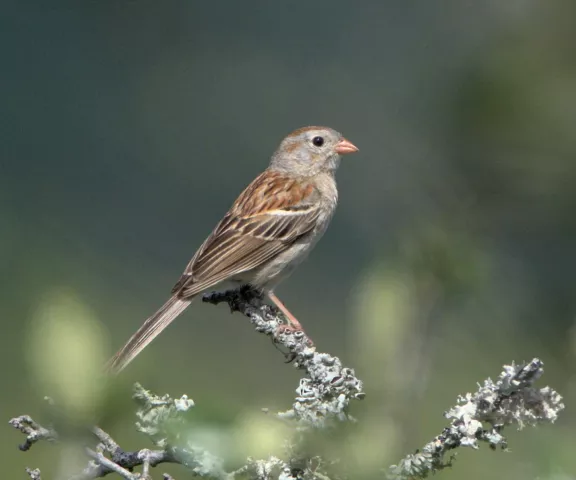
x: 151, y: 328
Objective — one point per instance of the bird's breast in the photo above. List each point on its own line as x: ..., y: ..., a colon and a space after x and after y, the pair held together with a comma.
x: 281, y: 266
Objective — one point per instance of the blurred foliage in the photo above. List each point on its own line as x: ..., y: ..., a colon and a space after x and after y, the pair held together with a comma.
x: 65, y: 352
x: 129, y: 127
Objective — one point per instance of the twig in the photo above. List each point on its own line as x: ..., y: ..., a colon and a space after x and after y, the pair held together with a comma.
x: 33, y: 431
x: 511, y: 400
x: 144, y: 455
x: 109, y: 466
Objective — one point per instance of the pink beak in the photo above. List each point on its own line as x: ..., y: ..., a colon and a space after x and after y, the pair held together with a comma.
x: 344, y: 146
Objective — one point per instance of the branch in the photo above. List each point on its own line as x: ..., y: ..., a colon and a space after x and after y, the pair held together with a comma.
x: 323, y: 397
x: 158, y: 416
x: 322, y: 401
x: 512, y: 400
x: 33, y: 431
x: 325, y: 392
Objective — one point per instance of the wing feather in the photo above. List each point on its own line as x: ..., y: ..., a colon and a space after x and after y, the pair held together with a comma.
x: 269, y: 216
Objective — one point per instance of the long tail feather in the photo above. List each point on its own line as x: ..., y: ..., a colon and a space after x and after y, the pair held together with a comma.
x: 151, y: 328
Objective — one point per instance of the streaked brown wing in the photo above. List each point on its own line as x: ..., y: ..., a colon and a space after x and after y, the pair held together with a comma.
x: 266, y: 219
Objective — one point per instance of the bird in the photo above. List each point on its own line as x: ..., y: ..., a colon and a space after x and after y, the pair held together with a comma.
x: 266, y: 233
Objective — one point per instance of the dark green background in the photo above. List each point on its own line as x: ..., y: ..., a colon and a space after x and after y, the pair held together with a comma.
x: 129, y: 127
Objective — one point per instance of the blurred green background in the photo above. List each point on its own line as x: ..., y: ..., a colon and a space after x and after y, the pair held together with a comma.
x: 128, y: 128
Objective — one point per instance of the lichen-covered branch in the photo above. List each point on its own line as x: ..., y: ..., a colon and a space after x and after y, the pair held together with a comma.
x: 481, y: 417
x: 33, y: 431
x: 322, y: 402
x: 323, y: 397
x: 325, y: 392
x: 157, y: 418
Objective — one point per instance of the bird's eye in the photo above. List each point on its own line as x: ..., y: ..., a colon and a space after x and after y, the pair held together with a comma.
x: 318, y: 141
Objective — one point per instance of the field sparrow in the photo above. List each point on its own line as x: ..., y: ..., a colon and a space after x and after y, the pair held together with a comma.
x: 268, y: 230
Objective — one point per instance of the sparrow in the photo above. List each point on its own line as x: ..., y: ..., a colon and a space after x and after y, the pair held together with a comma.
x: 267, y: 232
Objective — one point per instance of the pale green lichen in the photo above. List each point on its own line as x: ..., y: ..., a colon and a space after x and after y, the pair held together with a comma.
x: 481, y: 416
